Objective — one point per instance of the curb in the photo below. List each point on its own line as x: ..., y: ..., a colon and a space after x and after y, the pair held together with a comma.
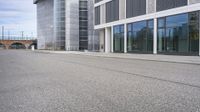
x: 117, y: 57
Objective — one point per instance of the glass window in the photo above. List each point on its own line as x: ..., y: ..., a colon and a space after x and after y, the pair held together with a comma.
x: 177, y: 20
x: 150, y: 32
x: 161, y: 22
x: 118, y: 38
x: 140, y: 36
x: 129, y: 27
x: 161, y: 40
x: 180, y: 34
x: 194, y: 32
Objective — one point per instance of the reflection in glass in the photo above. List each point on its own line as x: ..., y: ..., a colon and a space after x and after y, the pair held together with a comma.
x: 179, y: 33
x: 118, y: 38
x: 59, y: 29
x: 140, y: 36
x: 194, y: 31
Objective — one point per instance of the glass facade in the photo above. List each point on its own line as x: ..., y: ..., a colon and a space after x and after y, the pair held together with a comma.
x: 66, y: 25
x: 118, y: 38
x: 45, y: 24
x: 140, y: 36
x: 59, y: 24
x: 179, y: 34
x: 175, y: 32
x: 83, y: 25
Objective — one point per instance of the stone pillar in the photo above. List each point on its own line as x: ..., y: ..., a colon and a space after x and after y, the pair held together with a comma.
x: 122, y: 9
x: 125, y: 38
x: 155, y: 37
x: 150, y: 6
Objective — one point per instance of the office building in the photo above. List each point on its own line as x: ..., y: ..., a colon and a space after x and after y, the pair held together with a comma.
x: 66, y: 25
x: 148, y: 26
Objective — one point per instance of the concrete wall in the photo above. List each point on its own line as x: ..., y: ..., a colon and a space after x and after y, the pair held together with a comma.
x: 103, y: 14
x: 122, y: 9
x: 151, y: 6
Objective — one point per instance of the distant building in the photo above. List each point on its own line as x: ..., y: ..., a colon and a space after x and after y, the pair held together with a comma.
x: 148, y: 26
x: 66, y: 25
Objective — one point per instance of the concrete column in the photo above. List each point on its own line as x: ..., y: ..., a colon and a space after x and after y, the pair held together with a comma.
x: 125, y: 38
x: 102, y: 14
x: 122, y: 9
x: 107, y: 39
x: 155, y: 37
x: 150, y: 6
x: 125, y: 9
x: 112, y: 48
x: 147, y: 6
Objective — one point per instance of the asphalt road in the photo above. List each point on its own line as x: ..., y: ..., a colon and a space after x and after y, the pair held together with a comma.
x: 42, y: 82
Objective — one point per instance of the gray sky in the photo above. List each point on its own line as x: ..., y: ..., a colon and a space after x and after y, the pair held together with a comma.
x: 18, y: 15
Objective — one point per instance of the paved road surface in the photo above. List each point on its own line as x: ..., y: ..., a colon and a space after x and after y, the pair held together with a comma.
x: 42, y: 82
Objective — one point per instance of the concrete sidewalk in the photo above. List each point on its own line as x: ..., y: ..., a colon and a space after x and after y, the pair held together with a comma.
x: 148, y: 57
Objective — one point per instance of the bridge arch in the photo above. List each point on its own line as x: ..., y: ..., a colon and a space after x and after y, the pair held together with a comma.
x: 32, y: 44
x: 2, y: 46
x: 17, y: 45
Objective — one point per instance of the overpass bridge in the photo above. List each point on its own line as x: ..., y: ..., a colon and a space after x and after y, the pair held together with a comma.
x: 17, y: 44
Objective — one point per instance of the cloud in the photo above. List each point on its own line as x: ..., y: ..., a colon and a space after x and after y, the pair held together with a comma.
x: 18, y: 15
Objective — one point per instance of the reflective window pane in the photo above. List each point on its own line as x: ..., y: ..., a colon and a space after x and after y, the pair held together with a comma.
x: 118, y: 38
x: 194, y: 31
x: 140, y: 36
x: 180, y: 34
